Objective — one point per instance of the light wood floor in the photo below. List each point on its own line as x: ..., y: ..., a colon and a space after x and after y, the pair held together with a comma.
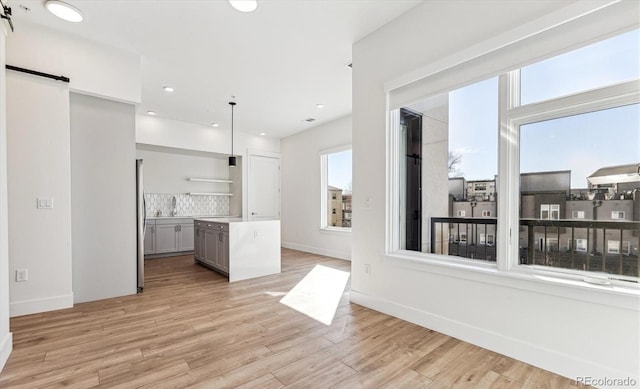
x: 191, y: 328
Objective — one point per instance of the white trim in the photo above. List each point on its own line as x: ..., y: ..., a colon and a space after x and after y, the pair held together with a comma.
x: 536, y: 281
x: 318, y: 250
x: 6, y: 346
x: 335, y: 230
x: 336, y: 149
x: 27, y: 307
x: 570, y: 366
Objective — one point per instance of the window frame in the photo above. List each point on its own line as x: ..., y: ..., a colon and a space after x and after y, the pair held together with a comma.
x: 324, y: 183
x: 577, y: 214
x: 620, y: 215
x: 512, y: 116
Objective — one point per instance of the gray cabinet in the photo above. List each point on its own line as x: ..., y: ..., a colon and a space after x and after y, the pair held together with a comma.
x: 198, y: 241
x: 211, y: 245
x: 185, y: 237
x: 150, y: 237
x: 166, y: 238
x: 169, y: 235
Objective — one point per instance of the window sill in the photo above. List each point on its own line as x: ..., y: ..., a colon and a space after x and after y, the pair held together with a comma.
x: 523, y: 279
x: 335, y: 230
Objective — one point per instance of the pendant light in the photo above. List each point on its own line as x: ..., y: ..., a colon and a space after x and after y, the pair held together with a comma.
x: 232, y: 158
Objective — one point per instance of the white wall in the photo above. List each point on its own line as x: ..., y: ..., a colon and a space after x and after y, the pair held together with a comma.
x: 103, y: 194
x: 569, y: 330
x: 39, y: 166
x: 166, y: 170
x: 301, y: 190
x: 5, y: 336
x: 93, y: 68
x: 172, y: 133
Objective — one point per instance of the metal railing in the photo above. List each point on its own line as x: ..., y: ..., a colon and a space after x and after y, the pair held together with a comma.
x: 450, y: 233
x: 546, y: 242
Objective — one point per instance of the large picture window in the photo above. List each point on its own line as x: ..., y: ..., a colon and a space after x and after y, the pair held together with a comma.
x: 336, y: 182
x: 566, y: 134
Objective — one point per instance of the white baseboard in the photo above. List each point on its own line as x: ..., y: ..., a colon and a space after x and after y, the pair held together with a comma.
x: 566, y: 365
x: 27, y: 307
x: 318, y: 250
x: 6, y: 345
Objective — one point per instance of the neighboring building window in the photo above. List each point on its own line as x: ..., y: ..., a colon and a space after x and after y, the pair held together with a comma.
x: 487, y: 239
x: 462, y: 238
x: 577, y: 214
x: 617, y: 215
x: 486, y: 213
x: 550, y: 211
x: 461, y: 213
x: 336, y: 181
x: 613, y: 247
x: 580, y: 245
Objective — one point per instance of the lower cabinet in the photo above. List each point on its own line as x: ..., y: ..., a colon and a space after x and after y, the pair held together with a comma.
x: 150, y: 237
x: 163, y: 236
x: 211, y: 245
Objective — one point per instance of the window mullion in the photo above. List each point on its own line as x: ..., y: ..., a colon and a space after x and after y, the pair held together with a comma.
x: 508, y: 173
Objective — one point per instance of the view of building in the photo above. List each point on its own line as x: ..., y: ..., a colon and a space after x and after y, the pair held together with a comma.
x: 338, y: 208
x: 592, y: 229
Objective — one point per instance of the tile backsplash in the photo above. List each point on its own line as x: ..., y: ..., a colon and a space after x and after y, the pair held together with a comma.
x: 160, y: 204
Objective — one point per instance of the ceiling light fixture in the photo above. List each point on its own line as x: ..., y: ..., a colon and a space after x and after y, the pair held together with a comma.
x: 244, y: 5
x: 232, y: 158
x: 263, y: 133
x: 152, y: 113
x: 215, y: 125
x: 64, y: 11
x: 319, y: 106
x: 168, y: 88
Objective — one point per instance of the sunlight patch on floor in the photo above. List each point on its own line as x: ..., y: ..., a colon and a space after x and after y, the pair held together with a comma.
x: 318, y: 294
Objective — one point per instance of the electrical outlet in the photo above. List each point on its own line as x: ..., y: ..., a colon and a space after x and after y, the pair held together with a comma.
x: 44, y: 203
x: 22, y: 275
x: 367, y: 268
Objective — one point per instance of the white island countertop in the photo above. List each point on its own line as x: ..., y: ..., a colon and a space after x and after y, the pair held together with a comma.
x: 253, y: 246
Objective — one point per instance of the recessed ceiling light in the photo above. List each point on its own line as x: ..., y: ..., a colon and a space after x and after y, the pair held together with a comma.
x: 215, y: 125
x: 244, y: 5
x: 319, y: 105
x: 152, y: 113
x: 64, y: 11
x: 168, y: 88
x: 263, y: 133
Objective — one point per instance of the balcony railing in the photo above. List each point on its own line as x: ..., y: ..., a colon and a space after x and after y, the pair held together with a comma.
x: 592, y: 245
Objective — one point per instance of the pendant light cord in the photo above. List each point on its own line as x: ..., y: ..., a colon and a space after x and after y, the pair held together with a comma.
x: 232, y: 104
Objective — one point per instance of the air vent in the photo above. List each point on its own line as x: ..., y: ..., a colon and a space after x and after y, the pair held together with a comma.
x: 309, y: 120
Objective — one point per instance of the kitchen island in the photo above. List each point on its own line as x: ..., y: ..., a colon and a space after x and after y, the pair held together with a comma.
x: 237, y: 247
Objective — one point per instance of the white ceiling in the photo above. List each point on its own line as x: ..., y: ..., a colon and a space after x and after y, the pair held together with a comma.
x: 279, y: 61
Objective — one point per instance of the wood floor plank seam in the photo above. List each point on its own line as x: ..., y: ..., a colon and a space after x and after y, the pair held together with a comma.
x: 190, y: 328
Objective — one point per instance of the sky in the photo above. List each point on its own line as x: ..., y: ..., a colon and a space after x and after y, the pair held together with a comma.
x: 339, y: 170
x: 582, y: 143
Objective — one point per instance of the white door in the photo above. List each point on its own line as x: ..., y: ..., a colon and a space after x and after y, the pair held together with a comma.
x: 264, y: 187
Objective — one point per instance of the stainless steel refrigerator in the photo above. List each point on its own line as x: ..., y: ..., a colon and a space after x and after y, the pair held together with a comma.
x: 141, y: 222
